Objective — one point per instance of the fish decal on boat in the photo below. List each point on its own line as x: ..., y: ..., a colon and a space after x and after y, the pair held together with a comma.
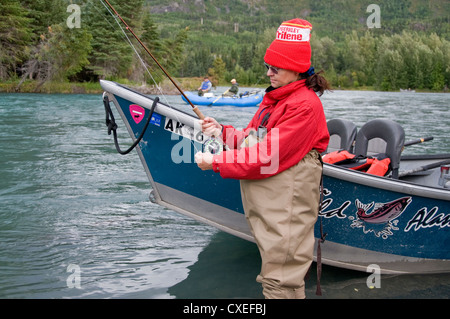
x: 382, y: 219
x: 382, y: 213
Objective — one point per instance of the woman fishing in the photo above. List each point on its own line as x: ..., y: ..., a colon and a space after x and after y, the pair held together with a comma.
x: 277, y: 160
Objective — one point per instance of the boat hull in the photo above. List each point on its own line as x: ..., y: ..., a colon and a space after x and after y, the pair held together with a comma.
x: 244, y: 101
x: 399, y: 226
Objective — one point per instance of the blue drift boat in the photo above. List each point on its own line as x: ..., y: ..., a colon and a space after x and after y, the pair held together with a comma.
x: 401, y: 222
x: 252, y: 98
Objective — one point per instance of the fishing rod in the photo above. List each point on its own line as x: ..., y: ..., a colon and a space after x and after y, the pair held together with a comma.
x: 194, y: 108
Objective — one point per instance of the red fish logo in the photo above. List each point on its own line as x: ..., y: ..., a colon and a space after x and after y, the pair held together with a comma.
x: 382, y: 212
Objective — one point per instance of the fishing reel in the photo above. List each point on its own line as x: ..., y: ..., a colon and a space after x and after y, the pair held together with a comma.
x: 213, y: 146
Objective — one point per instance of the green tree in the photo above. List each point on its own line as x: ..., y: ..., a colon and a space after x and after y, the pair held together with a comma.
x: 332, y: 76
x: 44, y: 13
x: 197, y: 62
x: 150, y: 36
x: 390, y: 66
x: 245, y: 57
x: 324, y: 53
x: 62, y: 52
x: 258, y: 68
x: 69, y: 50
x: 218, y: 70
x: 14, y: 36
x: 111, y: 54
x: 368, y: 50
x: 440, y: 74
x: 173, y: 51
x: 151, y: 39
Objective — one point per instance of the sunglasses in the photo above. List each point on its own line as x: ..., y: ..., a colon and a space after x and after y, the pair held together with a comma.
x: 272, y: 68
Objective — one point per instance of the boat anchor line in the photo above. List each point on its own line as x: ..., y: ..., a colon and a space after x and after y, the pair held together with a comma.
x: 112, y: 126
x: 382, y: 220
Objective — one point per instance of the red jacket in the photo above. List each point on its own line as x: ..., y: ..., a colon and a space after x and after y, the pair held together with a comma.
x: 296, y: 125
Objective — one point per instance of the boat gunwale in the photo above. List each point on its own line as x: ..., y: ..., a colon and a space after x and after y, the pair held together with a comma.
x: 386, y: 183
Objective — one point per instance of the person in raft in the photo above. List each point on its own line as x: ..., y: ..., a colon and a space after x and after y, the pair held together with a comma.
x: 233, y: 90
x: 279, y: 188
x: 205, y: 87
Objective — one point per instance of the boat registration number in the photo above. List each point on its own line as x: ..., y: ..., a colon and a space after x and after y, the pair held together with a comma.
x: 181, y: 129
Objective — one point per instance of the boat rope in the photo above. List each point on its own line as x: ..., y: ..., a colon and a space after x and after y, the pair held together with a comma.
x: 112, y: 126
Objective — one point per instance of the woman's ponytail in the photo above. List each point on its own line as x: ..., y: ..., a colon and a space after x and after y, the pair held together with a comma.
x: 315, y: 81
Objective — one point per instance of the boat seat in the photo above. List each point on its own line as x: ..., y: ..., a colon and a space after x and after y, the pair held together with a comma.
x: 381, y: 136
x: 342, y: 135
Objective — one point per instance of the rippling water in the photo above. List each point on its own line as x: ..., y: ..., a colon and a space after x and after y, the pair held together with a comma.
x: 76, y: 222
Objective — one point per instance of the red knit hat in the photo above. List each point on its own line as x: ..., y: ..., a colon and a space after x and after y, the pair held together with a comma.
x: 291, y: 49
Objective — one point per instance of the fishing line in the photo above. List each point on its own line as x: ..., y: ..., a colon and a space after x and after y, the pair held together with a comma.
x: 135, y: 50
x: 194, y: 108
x: 145, y: 66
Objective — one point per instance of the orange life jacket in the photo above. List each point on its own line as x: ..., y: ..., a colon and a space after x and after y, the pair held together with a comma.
x: 337, y: 156
x: 378, y: 165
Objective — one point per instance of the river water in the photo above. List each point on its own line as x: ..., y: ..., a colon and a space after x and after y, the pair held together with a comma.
x: 76, y: 221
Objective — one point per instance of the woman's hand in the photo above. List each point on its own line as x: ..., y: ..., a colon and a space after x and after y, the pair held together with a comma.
x: 211, y: 127
x: 204, y: 160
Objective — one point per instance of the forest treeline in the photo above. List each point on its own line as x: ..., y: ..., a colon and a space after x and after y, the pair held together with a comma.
x: 40, y: 41
x: 50, y: 40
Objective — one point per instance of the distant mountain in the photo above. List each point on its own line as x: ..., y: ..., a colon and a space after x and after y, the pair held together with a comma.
x: 333, y: 18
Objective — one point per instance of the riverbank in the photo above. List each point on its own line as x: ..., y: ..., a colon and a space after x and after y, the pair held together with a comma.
x: 167, y: 87
x: 188, y: 84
